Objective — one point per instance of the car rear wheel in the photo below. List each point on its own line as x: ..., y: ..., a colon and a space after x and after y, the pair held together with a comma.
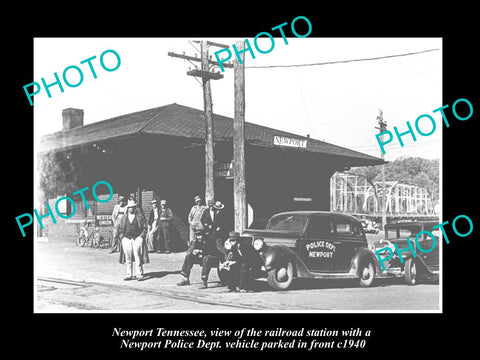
x: 281, y: 278
x: 410, y: 272
x: 367, y: 274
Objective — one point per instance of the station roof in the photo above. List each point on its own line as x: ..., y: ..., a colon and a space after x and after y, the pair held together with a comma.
x: 186, y: 122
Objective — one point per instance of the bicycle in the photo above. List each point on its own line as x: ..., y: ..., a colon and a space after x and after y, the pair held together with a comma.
x: 84, y: 236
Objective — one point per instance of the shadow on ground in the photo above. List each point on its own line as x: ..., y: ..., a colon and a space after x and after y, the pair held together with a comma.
x: 158, y: 274
x: 261, y: 285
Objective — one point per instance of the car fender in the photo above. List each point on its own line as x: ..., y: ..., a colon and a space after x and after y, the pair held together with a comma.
x: 422, y: 268
x: 362, y: 257
x: 277, y: 254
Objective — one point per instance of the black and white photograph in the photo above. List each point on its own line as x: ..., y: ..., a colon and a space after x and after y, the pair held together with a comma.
x: 267, y: 182
x: 215, y: 183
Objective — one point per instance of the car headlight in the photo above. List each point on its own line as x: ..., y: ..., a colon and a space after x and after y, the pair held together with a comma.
x: 227, y: 245
x: 258, y: 244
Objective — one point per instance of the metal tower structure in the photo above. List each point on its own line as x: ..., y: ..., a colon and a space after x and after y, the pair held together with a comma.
x: 352, y: 193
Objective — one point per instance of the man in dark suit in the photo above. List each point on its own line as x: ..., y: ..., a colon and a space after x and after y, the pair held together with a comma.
x: 241, y: 264
x: 213, y: 219
x: 214, y: 227
x: 193, y: 256
x: 232, y: 265
x: 165, y: 219
x: 251, y: 263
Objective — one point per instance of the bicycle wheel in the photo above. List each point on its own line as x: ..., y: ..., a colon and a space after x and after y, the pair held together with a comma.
x: 102, y: 242
x: 90, y: 239
x: 108, y: 240
x: 82, y: 240
x: 79, y: 240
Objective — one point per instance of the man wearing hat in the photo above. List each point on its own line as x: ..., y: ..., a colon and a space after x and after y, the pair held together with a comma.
x: 152, y: 234
x: 165, y: 218
x: 232, y: 265
x: 132, y: 230
x: 118, y: 211
x: 195, y: 217
x: 193, y: 256
x: 213, y: 221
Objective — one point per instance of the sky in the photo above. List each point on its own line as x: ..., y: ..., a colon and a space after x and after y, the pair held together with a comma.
x: 336, y: 103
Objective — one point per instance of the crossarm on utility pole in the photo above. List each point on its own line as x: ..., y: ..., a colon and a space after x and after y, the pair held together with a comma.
x: 192, y: 58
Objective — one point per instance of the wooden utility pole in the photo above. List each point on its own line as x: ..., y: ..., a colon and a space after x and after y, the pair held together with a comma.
x: 239, y: 193
x: 207, y: 97
x: 382, y: 126
x: 206, y: 76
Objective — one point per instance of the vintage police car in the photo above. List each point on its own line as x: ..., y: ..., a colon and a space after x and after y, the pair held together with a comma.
x: 404, y: 262
x: 312, y: 244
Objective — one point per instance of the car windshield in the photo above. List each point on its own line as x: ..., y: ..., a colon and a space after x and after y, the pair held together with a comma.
x: 293, y: 222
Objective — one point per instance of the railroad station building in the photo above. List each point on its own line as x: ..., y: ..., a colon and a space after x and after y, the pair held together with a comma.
x: 160, y: 153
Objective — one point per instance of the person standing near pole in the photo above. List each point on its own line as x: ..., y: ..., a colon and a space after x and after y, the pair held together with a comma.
x: 119, y: 211
x: 195, y: 217
x: 152, y: 234
x: 164, y: 221
x: 214, y: 224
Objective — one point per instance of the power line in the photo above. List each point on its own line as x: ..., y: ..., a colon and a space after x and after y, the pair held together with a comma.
x: 341, y: 61
x: 198, y: 50
x: 424, y: 143
x: 393, y: 147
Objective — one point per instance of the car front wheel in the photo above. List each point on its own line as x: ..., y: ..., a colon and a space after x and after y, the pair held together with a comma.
x: 281, y: 278
x: 410, y: 272
x: 367, y: 274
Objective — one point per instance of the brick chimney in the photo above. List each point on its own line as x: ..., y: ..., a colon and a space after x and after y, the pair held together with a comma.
x: 72, y: 118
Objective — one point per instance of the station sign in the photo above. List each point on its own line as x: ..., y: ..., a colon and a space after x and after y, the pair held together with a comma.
x: 104, y: 220
x: 223, y: 169
x: 289, y: 141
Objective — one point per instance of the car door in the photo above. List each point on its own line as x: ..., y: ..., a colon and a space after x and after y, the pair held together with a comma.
x: 348, y: 237
x: 430, y: 246
x: 316, y: 248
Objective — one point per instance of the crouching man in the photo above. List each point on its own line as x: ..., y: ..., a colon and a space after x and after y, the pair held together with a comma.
x: 132, y: 231
x: 241, y: 264
x: 231, y: 267
x: 194, y: 256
